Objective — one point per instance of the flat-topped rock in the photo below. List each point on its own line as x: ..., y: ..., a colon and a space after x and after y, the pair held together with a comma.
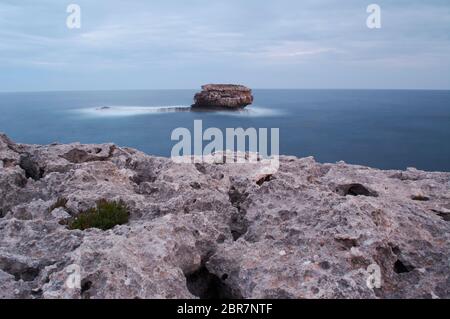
x: 229, y: 96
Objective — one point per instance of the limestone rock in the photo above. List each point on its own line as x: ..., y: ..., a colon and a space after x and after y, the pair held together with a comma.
x: 309, y: 230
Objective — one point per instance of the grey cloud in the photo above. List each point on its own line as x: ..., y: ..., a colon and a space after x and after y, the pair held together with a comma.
x: 273, y: 40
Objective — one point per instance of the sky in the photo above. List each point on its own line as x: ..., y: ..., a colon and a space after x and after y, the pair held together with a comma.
x: 174, y: 44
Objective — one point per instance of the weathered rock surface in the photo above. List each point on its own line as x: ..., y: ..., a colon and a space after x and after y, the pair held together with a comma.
x: 227, y: 96
x: 206, y: 230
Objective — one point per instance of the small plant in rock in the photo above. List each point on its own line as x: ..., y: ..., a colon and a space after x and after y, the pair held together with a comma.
x: 104, y: 216
x: 61, y: 202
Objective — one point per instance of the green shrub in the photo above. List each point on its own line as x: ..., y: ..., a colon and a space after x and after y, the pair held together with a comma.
x: 61, y: 202
x: 104, y: 216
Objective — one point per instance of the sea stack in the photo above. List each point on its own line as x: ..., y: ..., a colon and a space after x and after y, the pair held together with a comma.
x: 226, y: 96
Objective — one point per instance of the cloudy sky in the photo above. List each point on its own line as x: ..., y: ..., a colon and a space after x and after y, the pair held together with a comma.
x: 146, y: 44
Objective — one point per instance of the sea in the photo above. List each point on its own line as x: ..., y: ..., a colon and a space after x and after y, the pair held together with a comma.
x: 386, y: 129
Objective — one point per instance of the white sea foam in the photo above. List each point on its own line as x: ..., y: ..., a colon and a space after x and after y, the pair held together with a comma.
x: 251, y: 112
x: 126, y: 111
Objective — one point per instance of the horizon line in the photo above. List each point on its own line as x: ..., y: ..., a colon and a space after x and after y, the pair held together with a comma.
x: 199, y: 88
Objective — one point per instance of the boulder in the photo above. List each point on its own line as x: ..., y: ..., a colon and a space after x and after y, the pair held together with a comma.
x: 227, y: 96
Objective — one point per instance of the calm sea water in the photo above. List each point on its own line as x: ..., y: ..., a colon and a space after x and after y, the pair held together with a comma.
x: 384, y: 129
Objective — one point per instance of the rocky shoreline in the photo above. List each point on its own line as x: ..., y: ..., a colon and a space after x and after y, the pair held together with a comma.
x: 309, y: 230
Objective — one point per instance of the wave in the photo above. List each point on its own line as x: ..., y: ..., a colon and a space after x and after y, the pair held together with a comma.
x: 126, y: 111
x: 123, y: 111
x: 252, y: 111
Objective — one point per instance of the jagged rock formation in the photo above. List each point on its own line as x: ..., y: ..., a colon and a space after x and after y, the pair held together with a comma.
x: 204, y: 230
x: 226, y: 96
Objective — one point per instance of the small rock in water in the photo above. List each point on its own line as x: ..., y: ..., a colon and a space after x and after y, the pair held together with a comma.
x: 226, y: 96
